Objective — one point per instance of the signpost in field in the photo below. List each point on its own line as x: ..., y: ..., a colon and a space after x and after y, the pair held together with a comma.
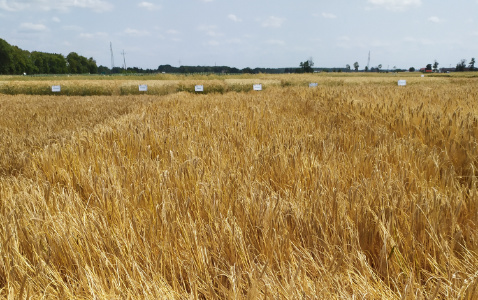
x: 257, y: 87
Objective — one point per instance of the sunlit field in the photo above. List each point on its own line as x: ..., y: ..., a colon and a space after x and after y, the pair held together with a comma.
x: 354, y: 189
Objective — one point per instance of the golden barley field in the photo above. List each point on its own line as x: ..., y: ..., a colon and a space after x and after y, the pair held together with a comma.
x: 355, y: 189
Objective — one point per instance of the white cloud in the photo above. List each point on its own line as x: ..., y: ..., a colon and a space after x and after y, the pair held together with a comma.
x: 72, y: 28
x: 94, y: 35
x: 172, y: 31
x: 15, y: 6
x: 344, y: 38
x: 135, y: 32
x: 210, y: 30
x: 329, y: 16
x: 213, y: 43
x: 418, y: 41
x: 275, y: 42
x: 273, y: 22
x: 234, y: 41
x: 149, y: 6
x: 47, y: 5
x: 234, y: 18
x: 56, y: 19
x: 396, y: 5
x: 434, y: 19
x: 33, y: 27
x: 344, y: 42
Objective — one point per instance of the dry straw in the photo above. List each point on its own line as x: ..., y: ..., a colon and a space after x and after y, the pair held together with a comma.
x: 347, y: 191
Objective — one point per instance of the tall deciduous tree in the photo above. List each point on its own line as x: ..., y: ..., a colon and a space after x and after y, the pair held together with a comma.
x: 78, y: 64
x: 306, y: 66
x: 6, y: 57
x: 356, y: 66
x: 435, y: 66
x: 460, y: 67
x: 472, y: 64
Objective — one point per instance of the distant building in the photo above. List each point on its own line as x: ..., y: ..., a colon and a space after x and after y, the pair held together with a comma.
x: 424, y: 70
x: 447, y: 70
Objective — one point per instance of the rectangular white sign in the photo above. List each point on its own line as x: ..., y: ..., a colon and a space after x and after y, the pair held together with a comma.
x: 423, y: 75
x: 257, y: 87
x: 55, y: 88
x: 402, y: 83
x: 313, y: 84
x: 143, y: 88
x: 199, y: 88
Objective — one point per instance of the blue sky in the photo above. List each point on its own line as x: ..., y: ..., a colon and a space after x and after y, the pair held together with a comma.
x: 246, y: 33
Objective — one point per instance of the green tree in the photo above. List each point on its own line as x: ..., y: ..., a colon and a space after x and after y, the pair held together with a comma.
x: 472, y: 64
x: 306, y: 66
x: 356, y: 66
x: 435, y: 66
x: 347, y: 67
x: 429, y: 67
x: 412, y: 69
x: 6, y: 57
x: 20, y: 61
x: 78, y: 64
x: 92, y: 67
x: 460, y: 67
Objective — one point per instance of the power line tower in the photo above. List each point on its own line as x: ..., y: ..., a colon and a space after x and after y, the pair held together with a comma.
x: 368, y: 62
x: 112, y: 57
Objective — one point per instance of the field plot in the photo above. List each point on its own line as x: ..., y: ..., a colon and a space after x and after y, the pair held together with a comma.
x: 355, y: 189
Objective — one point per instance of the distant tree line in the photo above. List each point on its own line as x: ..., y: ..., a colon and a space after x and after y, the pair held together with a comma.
x: 14, y: 60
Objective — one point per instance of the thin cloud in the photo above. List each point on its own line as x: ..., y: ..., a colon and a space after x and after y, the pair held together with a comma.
x: 273, y: 22
x: 33, y: 27
x: 15, y: 6
x: 94, y: 35
x: 149, y: 6
x: 234, y: 41
x: 210, y: 30
x: 135, y: 32
x: 275, y: 42
x: 61, y: 5
x: 434, y: 19
x: 72, y: 28
x: 234, y: 18
x: 329, y: 16
x: 213, y: 43
x: 396, y: 5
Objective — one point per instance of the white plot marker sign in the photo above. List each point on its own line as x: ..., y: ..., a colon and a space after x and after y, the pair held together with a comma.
x: 56, y: 88
x: 402, y: 83
x: 313, y: 84
x: 199, y: 88
x: 257, y: 87
x: 143, y: 88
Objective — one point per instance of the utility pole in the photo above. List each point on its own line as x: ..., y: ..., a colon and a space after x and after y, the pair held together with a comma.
x: 368, y: 62
x: 112, y: 57
x: 124, y: 59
